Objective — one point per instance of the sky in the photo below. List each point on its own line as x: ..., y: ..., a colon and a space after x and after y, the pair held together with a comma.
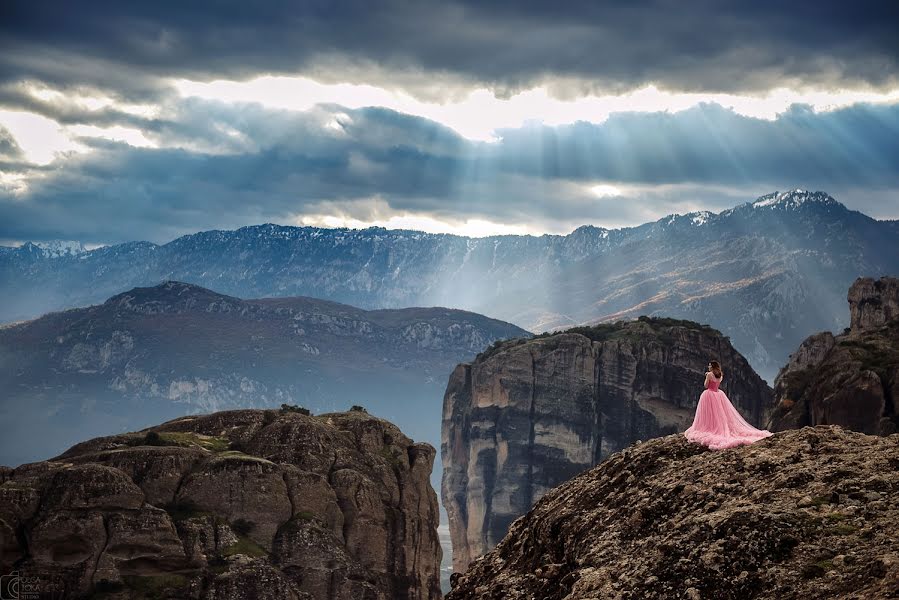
x: 128, y: 121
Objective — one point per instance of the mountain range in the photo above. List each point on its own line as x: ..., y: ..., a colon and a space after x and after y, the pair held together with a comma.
x: 766, y: 273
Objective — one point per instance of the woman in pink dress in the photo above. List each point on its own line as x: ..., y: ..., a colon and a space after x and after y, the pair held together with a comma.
x: 717, y: 423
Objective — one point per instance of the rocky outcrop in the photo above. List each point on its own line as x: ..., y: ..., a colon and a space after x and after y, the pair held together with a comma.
x: 530, y: 414
x: 804, y: 514
x: 240, y: 504
x: 851, y: 379
x: 873, y: 302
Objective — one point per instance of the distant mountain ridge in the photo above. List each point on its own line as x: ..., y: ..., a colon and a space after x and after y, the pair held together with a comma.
x: 766, y: 273
x: 176, y: 348
x: 51, y: 249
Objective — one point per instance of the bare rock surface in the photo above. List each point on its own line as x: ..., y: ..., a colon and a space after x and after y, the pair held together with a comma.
x: 238, y: 504
x: 873, y: 302
x: 805, y: 514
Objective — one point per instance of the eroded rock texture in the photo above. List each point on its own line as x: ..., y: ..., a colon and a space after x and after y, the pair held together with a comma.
x: 238, y: 504
x: 804, y: 514
x: 873, y: 302
x: 851, y: 379
x: 530, y: 414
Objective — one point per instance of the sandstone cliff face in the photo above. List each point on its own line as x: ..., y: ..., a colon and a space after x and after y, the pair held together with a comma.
x: 239, y: 504
x: 873, y: 302
x: 804, y: 514
x: 530, y: 414
x: 851, y: 379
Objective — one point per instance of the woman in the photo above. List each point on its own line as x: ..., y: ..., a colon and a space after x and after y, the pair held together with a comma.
x: 717, y: 423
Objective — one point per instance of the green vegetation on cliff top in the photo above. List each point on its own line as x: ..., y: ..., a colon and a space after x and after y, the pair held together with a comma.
x: 640, y: 329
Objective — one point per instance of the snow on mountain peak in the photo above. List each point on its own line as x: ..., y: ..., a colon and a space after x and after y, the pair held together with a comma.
x: 701, y: 217
x: 695, y: 218
x: 57, y: 248
x: 793, y: 199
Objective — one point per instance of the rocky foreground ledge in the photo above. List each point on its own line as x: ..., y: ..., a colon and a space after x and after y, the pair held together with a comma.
x: 809, y: 513
x: 233, y: 505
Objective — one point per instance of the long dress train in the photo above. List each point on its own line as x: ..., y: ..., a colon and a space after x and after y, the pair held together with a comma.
x: 717, y: 423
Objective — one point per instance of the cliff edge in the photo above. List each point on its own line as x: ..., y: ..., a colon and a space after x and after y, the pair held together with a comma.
x: 809, y: 513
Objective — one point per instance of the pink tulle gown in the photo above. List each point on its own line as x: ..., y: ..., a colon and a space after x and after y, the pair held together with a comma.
x: 717, y: 423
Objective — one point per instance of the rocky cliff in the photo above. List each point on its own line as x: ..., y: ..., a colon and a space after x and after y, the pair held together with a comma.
x: 239, y: 504
x: 530, y: 414
x: 873, y: 302
x: 805, y: 514
x: 850, y: 379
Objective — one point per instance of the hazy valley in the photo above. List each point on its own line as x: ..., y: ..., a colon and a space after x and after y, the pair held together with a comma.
x: 161, y: 352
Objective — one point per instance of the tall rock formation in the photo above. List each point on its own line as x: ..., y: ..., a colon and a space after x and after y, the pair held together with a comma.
x: 851, y: 379
x: 529, y: 414
x: 804, y: 514
x: 239, y: 504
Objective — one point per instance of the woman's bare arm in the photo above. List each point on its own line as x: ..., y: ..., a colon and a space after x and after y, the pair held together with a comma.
x: 707, y: 377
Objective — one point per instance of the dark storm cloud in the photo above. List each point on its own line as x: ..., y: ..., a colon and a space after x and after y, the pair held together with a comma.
x: 9, y: 149
x: 698, y: 45
x: 274, y: 165
x: 67, y: 112
x: 711, y: 144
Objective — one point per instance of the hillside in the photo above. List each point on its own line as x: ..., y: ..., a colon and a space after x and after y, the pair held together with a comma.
x: 806, y: 514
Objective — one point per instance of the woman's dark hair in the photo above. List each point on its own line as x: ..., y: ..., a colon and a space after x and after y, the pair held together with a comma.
x: 716, y: 369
